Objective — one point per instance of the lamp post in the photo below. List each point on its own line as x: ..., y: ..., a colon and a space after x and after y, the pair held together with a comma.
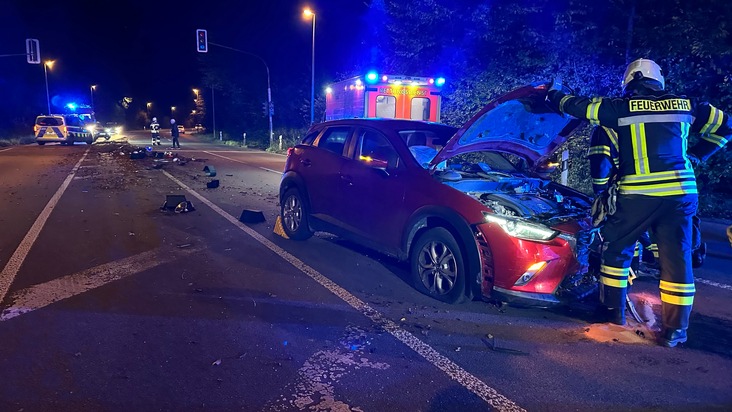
x: 309, y: 13
x: 91, y: 91
x: 269, y: 90
x: 48, y: 64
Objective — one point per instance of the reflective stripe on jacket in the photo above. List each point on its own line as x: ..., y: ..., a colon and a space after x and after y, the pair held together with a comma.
x: 652, y: 137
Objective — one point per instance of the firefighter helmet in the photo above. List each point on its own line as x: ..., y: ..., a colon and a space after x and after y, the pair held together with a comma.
x: 155, y: 119
x: 643, y: 69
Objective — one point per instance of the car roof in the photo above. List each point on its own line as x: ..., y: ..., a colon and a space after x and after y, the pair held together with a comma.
x: 393, y: 124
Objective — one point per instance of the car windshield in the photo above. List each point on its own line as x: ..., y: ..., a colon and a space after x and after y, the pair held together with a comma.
x: 425, y: 143
x: 487, y: 162
x: 49, y: 121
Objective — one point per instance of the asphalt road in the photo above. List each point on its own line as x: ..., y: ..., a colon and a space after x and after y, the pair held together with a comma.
x: 110, y: 304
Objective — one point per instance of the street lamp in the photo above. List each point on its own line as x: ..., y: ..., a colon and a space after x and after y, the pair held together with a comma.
x: 172, y: 112
x: 91, y: 91
x: 309, y: 13
x: 48, y: 64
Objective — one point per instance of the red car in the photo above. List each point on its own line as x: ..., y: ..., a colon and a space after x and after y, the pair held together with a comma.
x: 469, y: 208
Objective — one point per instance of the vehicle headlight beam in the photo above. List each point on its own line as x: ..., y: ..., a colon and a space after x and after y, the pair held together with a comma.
x: 521, y: 229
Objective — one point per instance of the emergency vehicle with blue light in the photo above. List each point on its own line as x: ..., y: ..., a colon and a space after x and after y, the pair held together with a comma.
x: 385, y: 96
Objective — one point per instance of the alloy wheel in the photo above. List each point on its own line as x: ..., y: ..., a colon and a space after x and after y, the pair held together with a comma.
x: 438, y: 268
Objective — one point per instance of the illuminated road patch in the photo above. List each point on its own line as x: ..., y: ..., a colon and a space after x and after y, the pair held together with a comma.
x: 453, y: 370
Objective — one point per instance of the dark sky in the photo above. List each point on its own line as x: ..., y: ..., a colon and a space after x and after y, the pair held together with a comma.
x: 146, y: 49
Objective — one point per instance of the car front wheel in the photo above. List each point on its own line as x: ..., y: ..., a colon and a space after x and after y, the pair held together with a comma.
x: 295, y: 216
x: 41, y: 143
x: 437, y: 266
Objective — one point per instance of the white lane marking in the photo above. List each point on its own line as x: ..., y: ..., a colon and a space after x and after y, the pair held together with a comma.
x: 44, y: 294
x: 5, y: 150
x: 713, y: 283
x: 7, y: 276
x: 314, y: 388
x: 453, y: 370
x: 244, y: 163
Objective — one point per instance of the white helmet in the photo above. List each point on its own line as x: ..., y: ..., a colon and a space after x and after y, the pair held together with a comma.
x: 172, y: 121
x: 155, y: 119
x: 643, y: 69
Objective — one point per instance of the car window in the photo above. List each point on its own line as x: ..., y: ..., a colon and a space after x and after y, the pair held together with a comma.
x: 49, y: 121
x: 334, y: 139
x: 420, y: 108
x: 310, y: 138
x: 386, y: 106
x: 374, y: 150
x: 73, y: 121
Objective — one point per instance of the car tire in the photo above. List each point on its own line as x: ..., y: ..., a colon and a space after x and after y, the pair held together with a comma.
x: 294, y: 216
x: 41, y: 143
x: 437, y: 266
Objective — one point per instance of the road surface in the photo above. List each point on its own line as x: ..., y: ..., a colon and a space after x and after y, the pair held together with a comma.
x: 110, y: 304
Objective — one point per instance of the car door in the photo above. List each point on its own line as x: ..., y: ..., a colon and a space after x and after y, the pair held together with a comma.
x: 320, y: 169
x: 373, y: 183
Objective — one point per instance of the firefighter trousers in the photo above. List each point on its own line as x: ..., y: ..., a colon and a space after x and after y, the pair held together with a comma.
x: 670, y: 219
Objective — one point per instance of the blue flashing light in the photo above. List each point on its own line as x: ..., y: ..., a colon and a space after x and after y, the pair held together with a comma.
x: 372, y: 77
x: 440, y: 81
x: 71, y: 106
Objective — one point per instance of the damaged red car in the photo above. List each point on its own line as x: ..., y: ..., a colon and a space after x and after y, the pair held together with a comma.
x: 470, y: 209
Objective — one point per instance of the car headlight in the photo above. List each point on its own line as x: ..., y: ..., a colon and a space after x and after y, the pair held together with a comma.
x: 521, y: 229
x: 118, y: 129
x: 91, y: 127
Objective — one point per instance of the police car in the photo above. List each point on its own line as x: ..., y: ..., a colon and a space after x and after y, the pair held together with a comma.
x: 65, y: 129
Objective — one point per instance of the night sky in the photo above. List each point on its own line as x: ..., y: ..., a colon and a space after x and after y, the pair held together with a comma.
x: 146, y: 49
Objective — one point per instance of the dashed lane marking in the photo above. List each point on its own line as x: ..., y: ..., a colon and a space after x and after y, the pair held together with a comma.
x: 713, y: 283
x: 44, y: 294
x: 7, y: 276
x: 5, y: 150
x: 244, y: 163
x: 453, y: 370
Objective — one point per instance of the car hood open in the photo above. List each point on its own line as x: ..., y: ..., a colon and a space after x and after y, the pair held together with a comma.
x: 519, y: 122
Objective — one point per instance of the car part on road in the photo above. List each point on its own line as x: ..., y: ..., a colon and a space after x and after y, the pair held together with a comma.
x: 172, y: 201
x: 278, y: 230
x: 210, y: 170
x: 213, y: 184
x: 295, y: 216
x: 437, y: 266
x: 251, y: 216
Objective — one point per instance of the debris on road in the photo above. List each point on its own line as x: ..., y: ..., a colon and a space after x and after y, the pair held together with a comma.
x: 217, y: 362
x: 177, y: 203
x: 209, y: 170
x: 251, y: 216
x: 213, y: 184
x: 490, y: 341
x: 278, y: 229
x: 185, y: 245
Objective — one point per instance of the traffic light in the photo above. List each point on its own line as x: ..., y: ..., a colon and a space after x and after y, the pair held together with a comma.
x: 202, y: 41
x: 33, y: 51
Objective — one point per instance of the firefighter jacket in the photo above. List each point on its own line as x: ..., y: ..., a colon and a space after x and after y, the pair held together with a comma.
x: 651, y: 131
x: 604, y: 157
x: 155, y: 127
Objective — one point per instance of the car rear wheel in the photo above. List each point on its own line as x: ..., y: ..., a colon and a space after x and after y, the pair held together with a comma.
x: 295, y: 216
x: 437, y: 266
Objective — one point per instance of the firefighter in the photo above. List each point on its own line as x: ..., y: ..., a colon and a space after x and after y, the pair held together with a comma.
x: 656, y: 184
x: 604, y: 160
x: 155, y: 131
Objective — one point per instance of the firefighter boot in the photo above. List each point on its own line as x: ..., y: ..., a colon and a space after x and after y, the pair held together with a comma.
x: 672, y: 337
x: 611, y: 315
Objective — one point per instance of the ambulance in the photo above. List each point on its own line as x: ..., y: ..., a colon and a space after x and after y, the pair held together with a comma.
x: 385, y: 96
